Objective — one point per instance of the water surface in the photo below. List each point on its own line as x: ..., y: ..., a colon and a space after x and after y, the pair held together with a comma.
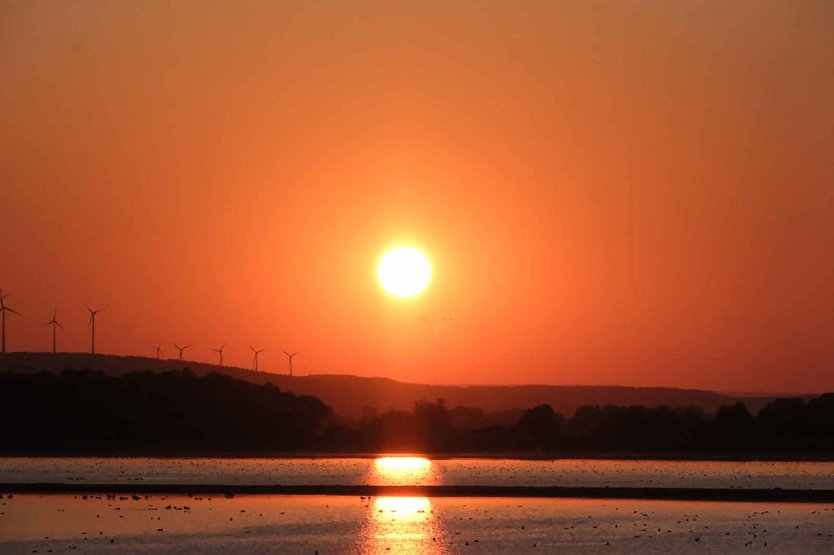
x: 347, y: 524
x: 461, y: 471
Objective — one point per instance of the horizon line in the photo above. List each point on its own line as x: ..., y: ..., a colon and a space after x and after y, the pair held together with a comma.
x: 457, y: 385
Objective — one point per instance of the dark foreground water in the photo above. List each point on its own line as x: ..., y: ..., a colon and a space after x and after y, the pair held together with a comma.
x: 347, y: 524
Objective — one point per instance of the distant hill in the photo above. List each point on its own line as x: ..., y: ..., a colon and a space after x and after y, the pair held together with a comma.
x: 350, y: 396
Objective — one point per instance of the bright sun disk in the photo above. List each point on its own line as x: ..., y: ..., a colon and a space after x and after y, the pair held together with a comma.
x: 404, y: 271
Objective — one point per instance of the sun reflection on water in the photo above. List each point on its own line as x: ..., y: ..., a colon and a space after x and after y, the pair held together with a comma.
x: 402, y: 471
x: 402, y: 525
x: 409, y: 508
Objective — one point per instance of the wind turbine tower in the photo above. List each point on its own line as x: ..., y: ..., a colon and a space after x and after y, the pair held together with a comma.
x: 255, y: 358
x: 93, y: 328
x: 181, y: 349
x: 4, y: 309
x: 158, y: 349
x: 220, y: 352
x: 55, y: 324
x: 289, y: 356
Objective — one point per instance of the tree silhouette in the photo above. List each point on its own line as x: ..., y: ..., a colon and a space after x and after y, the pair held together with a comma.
x: 82, y: 411
x: 541, y: 427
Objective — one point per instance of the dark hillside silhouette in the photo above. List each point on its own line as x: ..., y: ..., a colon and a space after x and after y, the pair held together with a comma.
x: 87, y: 411
x: 353, y: 396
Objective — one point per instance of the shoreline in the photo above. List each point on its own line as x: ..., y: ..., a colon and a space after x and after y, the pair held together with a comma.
x: 706, y: 457
x: 775, y: 495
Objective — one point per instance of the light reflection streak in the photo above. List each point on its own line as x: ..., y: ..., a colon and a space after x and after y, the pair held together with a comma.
x: 402, y: 525
x: 400, y: 471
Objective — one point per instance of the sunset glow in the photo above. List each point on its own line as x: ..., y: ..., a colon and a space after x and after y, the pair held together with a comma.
x: 549, y: 273
x: 621, y: 193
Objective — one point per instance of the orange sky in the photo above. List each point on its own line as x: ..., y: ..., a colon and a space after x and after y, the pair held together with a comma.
x: 636, y: 193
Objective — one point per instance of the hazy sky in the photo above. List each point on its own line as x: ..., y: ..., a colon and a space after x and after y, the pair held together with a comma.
x: 638, y: 193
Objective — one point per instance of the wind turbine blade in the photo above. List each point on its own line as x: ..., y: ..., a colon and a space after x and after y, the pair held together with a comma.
x: 13, y: 311
x: 59, y: 325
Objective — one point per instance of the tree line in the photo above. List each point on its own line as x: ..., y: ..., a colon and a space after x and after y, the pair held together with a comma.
x: 82, y: 411
x: 784, y: 426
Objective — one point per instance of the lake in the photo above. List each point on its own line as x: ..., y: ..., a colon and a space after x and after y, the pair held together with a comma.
x: 419, y: 471
x: 258, y: 523
x: 348, y: 524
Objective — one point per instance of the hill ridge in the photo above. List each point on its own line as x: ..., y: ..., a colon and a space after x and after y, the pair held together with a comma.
x: 365, y: 395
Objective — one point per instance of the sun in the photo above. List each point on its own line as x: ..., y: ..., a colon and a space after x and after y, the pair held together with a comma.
x: 404, y: 271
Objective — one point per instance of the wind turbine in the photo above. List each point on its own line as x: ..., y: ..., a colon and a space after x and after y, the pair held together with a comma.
x: 290, y: 355
x: 255, y: 359
x: 55, y: 324
x: 4, y: 309
x: 158, y: 349
x: 93, y: 327
x: 220, y: 351
x: 181, y: 349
